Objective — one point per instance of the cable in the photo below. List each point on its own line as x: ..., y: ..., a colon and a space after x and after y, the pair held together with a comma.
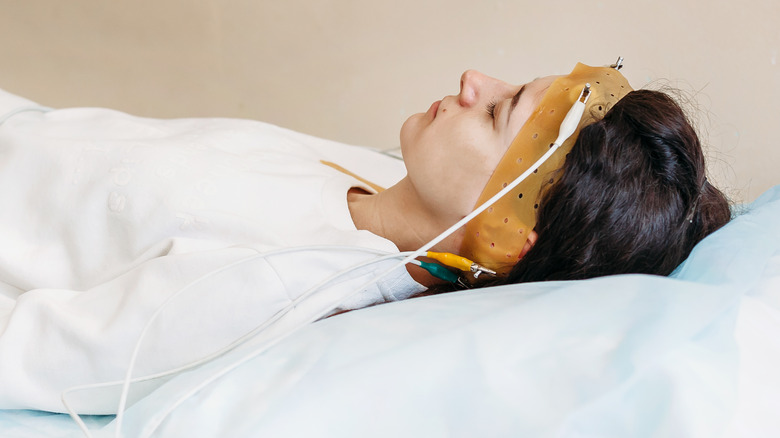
x: 261, y: 349
x: 437, y: 271
x: 246, y: 337
x: 459, y: 262
x: 12, y: 113
x: 567, y: 128
x: 128, y: 377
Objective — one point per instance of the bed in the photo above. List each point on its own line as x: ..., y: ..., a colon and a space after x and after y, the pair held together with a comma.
x: 694, y: 354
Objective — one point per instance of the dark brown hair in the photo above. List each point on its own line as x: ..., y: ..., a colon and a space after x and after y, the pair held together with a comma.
x: 631, y: 197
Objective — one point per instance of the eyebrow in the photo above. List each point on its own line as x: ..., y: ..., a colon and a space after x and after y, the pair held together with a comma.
x: 513, y: 104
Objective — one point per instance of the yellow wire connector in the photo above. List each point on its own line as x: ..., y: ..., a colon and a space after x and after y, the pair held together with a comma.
x: 458, y: 262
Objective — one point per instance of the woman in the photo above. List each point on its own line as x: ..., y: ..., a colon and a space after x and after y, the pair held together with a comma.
x: 631, y: 196
x: 221, y: 226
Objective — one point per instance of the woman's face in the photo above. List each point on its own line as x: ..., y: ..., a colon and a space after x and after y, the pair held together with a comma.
x: 451, y: 150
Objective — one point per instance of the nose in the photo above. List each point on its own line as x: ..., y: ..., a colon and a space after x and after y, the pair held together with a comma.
x: 475, y: 86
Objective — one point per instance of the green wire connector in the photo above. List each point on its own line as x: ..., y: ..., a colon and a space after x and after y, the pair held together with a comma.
x: 440, y: 272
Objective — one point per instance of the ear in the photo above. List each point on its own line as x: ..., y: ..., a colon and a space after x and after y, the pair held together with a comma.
x: 529, y: 243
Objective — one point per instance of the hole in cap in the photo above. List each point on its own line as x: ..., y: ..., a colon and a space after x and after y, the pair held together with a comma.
x: 477, y: 234
x: 519, y: 196
x: 536, y: 205
x: 490, y: 210
x: 519, y: 160
x: 506, y: 219
x: 503, y: 185
x: 492, y: 245
x: 536, y: 134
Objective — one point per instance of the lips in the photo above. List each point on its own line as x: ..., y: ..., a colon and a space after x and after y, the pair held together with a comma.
x: 433, y: 109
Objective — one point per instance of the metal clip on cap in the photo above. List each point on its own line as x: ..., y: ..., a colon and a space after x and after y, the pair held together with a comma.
x: 584, y: 94
x: 478, y: 269
x: 618, y: 64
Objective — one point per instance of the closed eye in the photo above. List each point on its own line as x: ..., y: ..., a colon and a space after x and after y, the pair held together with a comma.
x: 491, y: 109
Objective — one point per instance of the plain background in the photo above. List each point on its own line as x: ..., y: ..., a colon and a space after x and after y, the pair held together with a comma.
x: 353, y: 71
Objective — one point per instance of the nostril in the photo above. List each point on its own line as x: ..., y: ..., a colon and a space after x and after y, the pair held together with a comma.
x: 467, y: 96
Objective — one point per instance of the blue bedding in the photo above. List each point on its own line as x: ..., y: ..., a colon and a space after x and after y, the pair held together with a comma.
x: 693, y: 354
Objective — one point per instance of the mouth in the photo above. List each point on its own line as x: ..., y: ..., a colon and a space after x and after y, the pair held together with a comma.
x: 433, y: 109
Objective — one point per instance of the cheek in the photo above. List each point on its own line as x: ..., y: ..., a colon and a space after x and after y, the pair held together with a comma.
x: 425, y: 146
x: 451, y: 161
x: 475, y: 167
x: 468, y: 169
x: 474, y: 156
x: 474, y: 179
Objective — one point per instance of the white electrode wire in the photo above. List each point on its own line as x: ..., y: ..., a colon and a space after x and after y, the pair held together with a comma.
x: 236, y: 343
x: 261, y: 327
x: 261, y: 349
x: 63, y: 396
x: 126, y: 382
x: 77, y: 419
x: 567, y: 128
x: 251, y: 355
x: 10, y: 114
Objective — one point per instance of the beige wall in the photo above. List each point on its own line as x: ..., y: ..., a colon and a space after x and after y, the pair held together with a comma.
x: 354, y: 70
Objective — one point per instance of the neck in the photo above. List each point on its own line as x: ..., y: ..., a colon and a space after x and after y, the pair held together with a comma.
x: 398, y: 215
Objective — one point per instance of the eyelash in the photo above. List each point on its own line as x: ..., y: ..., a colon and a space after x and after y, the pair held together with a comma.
x: 491, y: 109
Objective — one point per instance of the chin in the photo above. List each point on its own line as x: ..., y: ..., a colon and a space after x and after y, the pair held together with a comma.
x: 408, y: 129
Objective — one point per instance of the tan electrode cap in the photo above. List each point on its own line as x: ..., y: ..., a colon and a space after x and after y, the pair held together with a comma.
x: 495, y: 238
